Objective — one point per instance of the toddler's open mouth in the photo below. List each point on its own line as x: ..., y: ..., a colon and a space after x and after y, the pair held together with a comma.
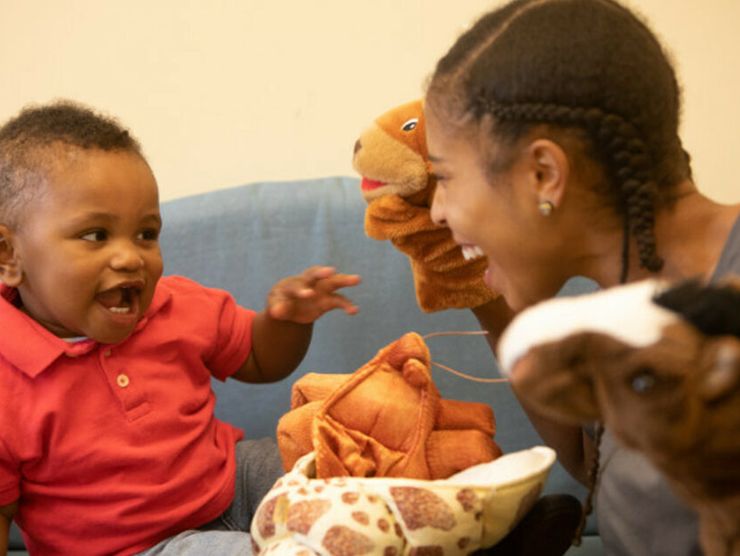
x: 122, y: 299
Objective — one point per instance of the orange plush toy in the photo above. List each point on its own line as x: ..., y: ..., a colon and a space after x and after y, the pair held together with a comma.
x: 357, y: 430
x: 392, y: 158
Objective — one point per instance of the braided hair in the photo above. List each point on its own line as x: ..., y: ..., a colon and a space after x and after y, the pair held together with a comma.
x: 27, y: 144
x: 589, y: 67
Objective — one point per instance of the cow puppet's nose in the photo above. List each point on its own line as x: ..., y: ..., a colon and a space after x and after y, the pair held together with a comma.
x: 724, y: 377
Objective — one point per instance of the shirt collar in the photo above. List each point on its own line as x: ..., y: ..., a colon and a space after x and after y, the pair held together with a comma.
x: 31, y: 348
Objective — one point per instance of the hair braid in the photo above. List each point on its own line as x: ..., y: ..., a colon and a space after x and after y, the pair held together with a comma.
x: 593, y: 481
x: 621, y: 149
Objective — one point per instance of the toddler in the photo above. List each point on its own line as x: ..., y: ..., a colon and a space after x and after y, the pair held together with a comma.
x: 108, y: 441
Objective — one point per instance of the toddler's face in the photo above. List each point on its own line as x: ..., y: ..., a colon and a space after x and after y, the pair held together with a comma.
x: 88, y: 246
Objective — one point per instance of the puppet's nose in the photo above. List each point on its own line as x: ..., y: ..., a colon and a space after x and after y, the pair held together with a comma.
x: 723, y: 380
x: 358, y: 146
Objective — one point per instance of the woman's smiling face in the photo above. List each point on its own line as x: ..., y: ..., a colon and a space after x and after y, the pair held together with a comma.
x: 495, y: 212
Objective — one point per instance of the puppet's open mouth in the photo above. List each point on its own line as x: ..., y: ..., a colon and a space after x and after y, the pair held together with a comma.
x: 471, y: 252
x: 368, y: 184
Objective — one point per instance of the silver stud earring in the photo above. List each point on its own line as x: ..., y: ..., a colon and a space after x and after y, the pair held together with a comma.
x: 545, y: 208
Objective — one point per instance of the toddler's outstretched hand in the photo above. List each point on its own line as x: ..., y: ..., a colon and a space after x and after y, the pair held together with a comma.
x: 307, y: 296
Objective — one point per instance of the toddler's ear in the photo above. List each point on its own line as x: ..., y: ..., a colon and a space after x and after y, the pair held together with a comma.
x: 10, y: 268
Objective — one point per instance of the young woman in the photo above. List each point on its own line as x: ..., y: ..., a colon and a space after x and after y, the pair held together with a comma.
x: 553, y: 131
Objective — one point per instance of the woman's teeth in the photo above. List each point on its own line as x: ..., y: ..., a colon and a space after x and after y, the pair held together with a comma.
x: 121, y: 310
x: 471, y: 252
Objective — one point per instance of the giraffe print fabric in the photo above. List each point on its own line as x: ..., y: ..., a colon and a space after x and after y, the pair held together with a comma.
x: 352, y: 516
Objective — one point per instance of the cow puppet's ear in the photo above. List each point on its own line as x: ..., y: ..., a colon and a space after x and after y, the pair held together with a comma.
x: 555, y: 380
x: 722, y: 376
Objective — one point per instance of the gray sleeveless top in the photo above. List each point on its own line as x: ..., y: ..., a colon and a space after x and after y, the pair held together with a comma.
x: 638, y: 514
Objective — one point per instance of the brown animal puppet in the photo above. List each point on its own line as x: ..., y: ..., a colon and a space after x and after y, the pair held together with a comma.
x: 358, y: 430
x: 660, y: 367
x: 391, y: 156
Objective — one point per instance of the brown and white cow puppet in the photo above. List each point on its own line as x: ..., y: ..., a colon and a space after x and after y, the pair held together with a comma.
x: 660, y: 367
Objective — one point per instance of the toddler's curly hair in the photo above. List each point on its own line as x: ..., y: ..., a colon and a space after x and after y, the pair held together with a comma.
x: 31, y: 141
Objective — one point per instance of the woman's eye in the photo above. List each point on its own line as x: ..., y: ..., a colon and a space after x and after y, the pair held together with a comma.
x: 410, y: 125
x: 95, y: 235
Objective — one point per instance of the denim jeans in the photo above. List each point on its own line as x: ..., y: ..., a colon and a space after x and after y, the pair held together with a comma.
x: 258, y: 466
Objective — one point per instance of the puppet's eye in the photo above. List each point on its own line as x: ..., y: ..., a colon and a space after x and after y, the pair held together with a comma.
x: 410, y: 125
x: 643, y: 381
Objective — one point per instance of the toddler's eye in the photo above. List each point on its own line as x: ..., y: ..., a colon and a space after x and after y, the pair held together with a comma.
x: 151, y: 234
x: 95, y: 235
x: 410, y: 125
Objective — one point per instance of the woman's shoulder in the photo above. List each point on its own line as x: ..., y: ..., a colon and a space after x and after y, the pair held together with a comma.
x: 729, y: 260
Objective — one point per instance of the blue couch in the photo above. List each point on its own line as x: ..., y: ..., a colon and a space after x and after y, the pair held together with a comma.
x: 244, y: 238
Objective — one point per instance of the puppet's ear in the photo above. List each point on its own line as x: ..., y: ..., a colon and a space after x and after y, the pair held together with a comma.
x: 10, y: 267
x: 723, y: 374
x: 556, y: 379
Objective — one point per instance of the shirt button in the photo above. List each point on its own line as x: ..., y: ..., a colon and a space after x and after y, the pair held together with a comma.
x: 107, y: 353
x: 122, y: 380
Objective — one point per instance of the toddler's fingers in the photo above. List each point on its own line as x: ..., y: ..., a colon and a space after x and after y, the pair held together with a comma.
x: 314, y: 274
x: 338, y: 281
x: 292, y: 288
x: 337, y: 301
x: 290, y: 309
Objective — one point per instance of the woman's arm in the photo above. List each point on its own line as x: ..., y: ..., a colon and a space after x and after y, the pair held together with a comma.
x: 573, y: 447
x: 493, y: 317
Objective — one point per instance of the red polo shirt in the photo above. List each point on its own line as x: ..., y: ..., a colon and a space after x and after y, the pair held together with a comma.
x: 111, y: 448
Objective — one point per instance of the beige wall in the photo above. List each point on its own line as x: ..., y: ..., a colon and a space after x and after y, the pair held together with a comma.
x: 225, y: 92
